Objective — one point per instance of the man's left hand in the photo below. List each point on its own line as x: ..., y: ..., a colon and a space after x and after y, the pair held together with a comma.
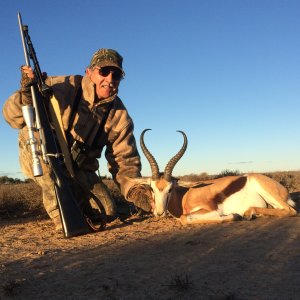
x: 141, y: 196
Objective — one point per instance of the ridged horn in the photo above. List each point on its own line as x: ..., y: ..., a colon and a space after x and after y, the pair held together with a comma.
x: 149, y: 156
x: 173, y: 161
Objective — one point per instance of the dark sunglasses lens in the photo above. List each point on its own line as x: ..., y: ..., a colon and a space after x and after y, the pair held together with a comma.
x: 104, y: 71
x: 116, y: 73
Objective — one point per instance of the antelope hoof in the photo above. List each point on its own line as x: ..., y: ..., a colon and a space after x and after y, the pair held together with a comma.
x: 249, y: 214
x: 237, y: 217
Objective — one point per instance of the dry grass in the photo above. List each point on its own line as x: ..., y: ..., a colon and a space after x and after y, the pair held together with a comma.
x: 20, y: 200
x: 25, y: 199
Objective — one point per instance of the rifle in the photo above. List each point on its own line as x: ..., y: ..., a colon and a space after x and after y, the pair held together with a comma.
x: 73, y: 220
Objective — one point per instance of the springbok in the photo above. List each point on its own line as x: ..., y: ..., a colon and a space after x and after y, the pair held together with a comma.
x: 214, y: 201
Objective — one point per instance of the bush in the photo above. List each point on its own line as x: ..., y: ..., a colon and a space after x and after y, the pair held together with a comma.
x: 289, y: 179
x: 195, y: 177
x: 9, y: 180
x: 226, y: 172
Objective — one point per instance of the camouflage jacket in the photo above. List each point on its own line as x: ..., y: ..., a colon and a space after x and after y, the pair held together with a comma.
x: 117, y: 134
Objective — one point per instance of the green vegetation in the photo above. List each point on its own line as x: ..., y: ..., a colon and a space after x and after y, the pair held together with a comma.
x: 9, y: 180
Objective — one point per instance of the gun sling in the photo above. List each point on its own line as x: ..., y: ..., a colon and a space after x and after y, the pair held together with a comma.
x: 77, y: 153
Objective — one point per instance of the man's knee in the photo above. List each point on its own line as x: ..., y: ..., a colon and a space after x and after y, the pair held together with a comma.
x: 48, y: 193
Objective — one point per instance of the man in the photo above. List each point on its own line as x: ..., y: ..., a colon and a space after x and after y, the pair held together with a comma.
x: 92, y: 116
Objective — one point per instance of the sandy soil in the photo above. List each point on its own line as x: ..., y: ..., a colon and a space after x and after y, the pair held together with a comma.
x: 148, y: 258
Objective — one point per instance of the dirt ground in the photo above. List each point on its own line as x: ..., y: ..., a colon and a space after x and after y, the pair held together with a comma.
x: 150, y: 258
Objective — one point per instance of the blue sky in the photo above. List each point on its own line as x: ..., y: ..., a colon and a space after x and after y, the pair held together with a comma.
x: 225, y: 72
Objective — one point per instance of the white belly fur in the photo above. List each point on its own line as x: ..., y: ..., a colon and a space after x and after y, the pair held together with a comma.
x: 240, y: 201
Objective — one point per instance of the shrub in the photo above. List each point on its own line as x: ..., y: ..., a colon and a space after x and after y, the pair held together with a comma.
x: 195, y: 177
x: 289, y: 179
x: 227, y: 172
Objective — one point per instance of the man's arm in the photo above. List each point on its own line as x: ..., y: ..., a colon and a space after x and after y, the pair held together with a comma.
x: 12, y: 111
x: 123, y: 158
x: 124, y: 164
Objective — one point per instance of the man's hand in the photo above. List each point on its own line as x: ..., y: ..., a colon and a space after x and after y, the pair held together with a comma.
x: 141, y: 196
x: 27, y: 79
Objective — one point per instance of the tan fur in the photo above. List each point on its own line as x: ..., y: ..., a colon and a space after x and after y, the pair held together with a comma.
x: 215, y: 191
x: 199, y: 203
x: 161, y: 183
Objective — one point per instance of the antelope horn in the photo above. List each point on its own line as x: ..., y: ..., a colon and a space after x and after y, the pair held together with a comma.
x: 173, y: 161
x: 149, y: 156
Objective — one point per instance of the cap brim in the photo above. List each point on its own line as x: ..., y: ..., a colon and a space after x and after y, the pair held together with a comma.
x: 110, y: 64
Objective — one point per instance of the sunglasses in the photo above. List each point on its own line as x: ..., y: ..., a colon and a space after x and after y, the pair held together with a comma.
x: 117, y: 74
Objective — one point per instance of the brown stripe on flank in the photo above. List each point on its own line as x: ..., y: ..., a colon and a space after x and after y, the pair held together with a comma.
x: 230, y: 189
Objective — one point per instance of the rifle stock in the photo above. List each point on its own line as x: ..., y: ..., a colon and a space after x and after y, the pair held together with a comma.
x: 73, y: 220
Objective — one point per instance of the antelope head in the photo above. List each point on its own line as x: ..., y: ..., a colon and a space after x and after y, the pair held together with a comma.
x: 161, y: 183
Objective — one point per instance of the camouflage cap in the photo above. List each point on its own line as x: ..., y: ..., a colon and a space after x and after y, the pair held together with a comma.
x: 106, y: 57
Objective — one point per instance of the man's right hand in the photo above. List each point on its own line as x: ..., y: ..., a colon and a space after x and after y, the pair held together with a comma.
x: 27, y: 79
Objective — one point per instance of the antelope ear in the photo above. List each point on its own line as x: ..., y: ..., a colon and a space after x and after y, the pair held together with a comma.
x: 191, y: 184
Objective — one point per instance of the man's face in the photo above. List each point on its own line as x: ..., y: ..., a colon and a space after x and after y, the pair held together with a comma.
x: 106, y: 80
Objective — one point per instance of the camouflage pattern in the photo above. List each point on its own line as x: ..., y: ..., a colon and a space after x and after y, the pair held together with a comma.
x: 89, y: 179
x: 105, y: 58
x: 25, y: 156
x: 45, y: 181
x: 141, y: 196
x: 25, y: 84
x: 12, y: 111
x: 117, y: 135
